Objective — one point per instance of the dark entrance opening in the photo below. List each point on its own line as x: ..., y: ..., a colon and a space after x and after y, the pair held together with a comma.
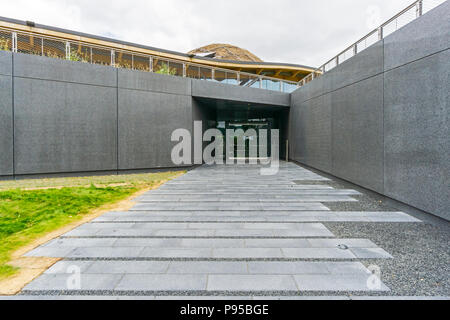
x: 226, y: 114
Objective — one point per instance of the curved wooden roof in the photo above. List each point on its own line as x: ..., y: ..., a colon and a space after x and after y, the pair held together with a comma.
x: 284, y: 71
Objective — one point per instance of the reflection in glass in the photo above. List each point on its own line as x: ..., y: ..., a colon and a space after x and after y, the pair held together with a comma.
x: 232, y: 78
x: 220, y: 76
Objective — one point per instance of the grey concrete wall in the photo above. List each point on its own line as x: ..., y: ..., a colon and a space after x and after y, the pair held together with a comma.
x: 76, y: 117
x: 310, y: 132
x: 381, y: 118
x: 65, y: 116
x: 417, y: 133
x: 6, y: 115
x: 151, y: 107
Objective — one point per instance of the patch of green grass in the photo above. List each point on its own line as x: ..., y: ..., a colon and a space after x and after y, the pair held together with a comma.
x: 125, y: 179
x: 28, y: 214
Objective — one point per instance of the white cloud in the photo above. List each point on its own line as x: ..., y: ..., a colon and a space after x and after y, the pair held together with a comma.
x: 293, y: 31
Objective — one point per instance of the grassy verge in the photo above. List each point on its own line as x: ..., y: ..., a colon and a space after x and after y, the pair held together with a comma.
x: 30, y: 209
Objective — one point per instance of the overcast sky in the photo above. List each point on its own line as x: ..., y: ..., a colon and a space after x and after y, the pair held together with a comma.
x: 294, y: 31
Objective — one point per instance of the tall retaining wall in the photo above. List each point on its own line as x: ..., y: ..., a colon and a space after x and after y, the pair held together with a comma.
x: 64, y: 117
x: 381, y: 118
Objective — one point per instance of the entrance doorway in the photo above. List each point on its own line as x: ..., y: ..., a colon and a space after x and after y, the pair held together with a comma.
x: 252, y: 128
x: 226, y: 114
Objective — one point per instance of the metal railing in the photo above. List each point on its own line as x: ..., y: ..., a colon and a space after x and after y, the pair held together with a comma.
x: 42, y: 45
x: 410, y: 13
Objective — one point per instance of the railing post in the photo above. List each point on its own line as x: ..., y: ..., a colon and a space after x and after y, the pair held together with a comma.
x: 213, y: 74
x: 355, y: 49
x: 184, y: 70
x: 67, y: 50
x: 113, y: 58
x: 337, y: 60
x: 150, y: 66
x: 14, y: 42
x: 238, y: 78
x: 419, y: 8
x: 260, y: 82
x: 380, y: 33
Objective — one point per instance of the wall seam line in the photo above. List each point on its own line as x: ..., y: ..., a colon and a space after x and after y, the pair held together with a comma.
x: 13, y: 117
x: 346, y: 86
x: 117, y: 120
x: 155, y: 91
x: 375, y: 75
x: 415, y: 60
x: 383, y: 106
x: 66, y: 82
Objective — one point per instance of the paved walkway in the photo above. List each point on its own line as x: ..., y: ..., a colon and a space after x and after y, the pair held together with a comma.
x: 219, y: 230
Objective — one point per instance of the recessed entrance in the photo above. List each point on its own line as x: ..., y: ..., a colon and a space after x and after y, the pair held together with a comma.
x: 246, y: 118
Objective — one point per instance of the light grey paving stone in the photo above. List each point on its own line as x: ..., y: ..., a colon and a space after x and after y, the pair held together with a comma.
x: 176, y: 253
x: 135, y: 214
x: 50, y: 282
x: 212, y: 243
x: 368, y: 253
x: 292, y: 189
x: 162, y: 282
x: 160, y: 225
x: 127, y: 267
x: 53, y: 252
x: 207, y: 267
x: 250, y: 226
x: 340, y: 219
x: 132, y: 215
x: 290, y: 226
x: 105, y: 252
x: 346, y: 267
x: 249, y: 200
x: 313, y: 189
x: 76, y: 242
x: 333, y: 243
x: 156, y: 233
x: 287, y: 267
x: 301, y: 298
x: 317, y: 253
x: 107, y: 225
x: 307, y: 206
x: 251, y: 283
x: 67, y: 267
x: 235, y: 226
x: 185, y: 233
x: 336, y: 282
x: 203, y: 298
x: 247, y: 253
x: 147, y: 242
x: 272, y: 233
x: 82, y: 232
x: 257, y: 216
x: 246, y: 192
x: 277, y: 243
